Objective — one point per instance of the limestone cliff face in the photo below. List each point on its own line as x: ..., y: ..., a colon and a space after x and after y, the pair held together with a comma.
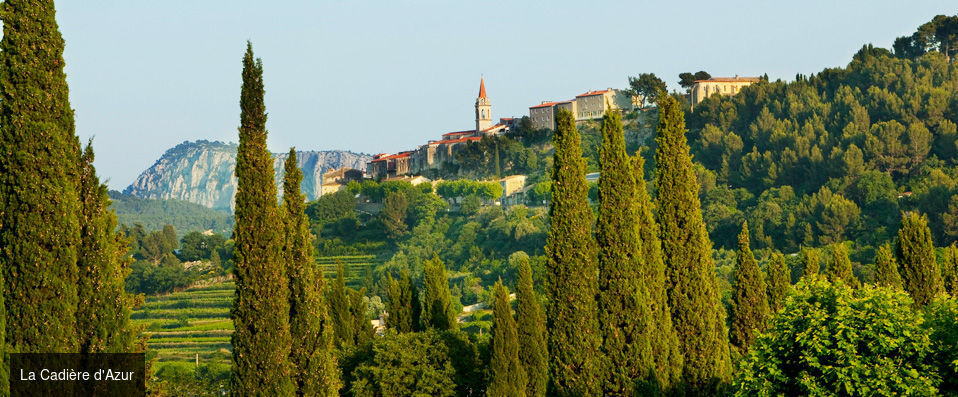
x: 202, y: 172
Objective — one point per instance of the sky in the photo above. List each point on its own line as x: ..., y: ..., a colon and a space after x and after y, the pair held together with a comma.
x: 387, y: 76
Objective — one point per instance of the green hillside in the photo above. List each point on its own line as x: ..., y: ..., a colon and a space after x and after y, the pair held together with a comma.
x: 153, y: 214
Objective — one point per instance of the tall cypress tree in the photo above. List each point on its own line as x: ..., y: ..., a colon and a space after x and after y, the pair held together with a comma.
x: 362, y: 329
x: 103, y: 313
x: 915, y: 253
x: 437, y: 309
x: 572, y: 321
x: 508, y: 378
x: 314, y: 363
x: 886, y: 269
x: 533, y: 353
x: 810, y: 261
x: 779, y: 282
x: 749, y: 311
x: 623, y: 298
x: 403, y: 306
x: 666, y: 349
x: 39, y: 200
x: 339, y: 309
x: 841, y: 267
x: 949, y: 269
x: 261, y: 338
x: 697, y: 313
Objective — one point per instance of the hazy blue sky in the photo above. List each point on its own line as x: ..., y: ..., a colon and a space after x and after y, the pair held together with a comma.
x: 386, y: 76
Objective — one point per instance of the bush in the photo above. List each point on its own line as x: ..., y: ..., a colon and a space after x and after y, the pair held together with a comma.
x: 830, y: 339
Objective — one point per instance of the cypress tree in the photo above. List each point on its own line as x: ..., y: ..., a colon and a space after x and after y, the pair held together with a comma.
x: 533, y: 353
x: 810, y: 262
x: 779, y: 282
x: 886, y: 269
x: 339, y: 303
x: 697, y: 313
x: 39, y: 167
x: 950, y: 269
x: 666, y: 350
x: 749, y: 311
x: 437, y: 309
x: 915, y: 254
x: 397, y: 319
x: 572, y: 320
x: 260, y: 313
x: 362, y: 329
x: 841, y: 267
x: 507, y: 375
x: 623, y: 298
x: 316, y: 372
x: 103, y: 313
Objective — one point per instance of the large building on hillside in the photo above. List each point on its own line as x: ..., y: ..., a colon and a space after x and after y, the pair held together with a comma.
x: 587, y: 106
x: 702, y: 89
x: 434, y: 154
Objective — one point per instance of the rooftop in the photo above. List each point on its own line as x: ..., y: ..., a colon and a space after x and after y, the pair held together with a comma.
x: 591, y: 93
x: 735, y: 79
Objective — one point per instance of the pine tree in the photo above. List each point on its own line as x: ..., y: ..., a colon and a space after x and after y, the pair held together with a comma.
x: 316, y: 372
x: 623, y: 298
x: 697, y: 313
x: 886, y: 269
x: 950, y: 269
x: 103, y: 313
x: 779, y: 282
x: 533, y: 352
x: 841, y: 267
x: 437, y: 309
x: 572, y: 320
x: 749, y: 311
x: 810, y: 261
x: 39, y: 167
x: 507, y: 376
x: 915, y: 254
x: 339, y: 309
x: 666, y: 349
x: 260, y: 313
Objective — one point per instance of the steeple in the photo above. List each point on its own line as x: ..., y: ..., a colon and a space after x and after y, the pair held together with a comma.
x: 483, y: 109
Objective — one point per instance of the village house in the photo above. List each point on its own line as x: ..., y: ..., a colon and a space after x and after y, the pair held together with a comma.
x: 702, y: 89
x: 587, y: 106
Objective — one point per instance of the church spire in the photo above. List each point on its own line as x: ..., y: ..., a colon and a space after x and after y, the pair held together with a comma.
x: 482, y: 87
x: 483, y: 109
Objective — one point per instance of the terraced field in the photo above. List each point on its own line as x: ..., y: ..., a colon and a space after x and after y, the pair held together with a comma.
x: 187, y: 325
x: 354, y: 265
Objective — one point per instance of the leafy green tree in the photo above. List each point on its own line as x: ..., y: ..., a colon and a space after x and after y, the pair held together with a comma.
x: 841, y: 266
x: 648, y: 86
x: 915, y: 254
x: 749, y: 312
x: 623, y: 298
x: 866, y: 341
x: 941, y: 33
x: 103, y: 315
x: 339, y: 303
x: 779, y: 282
x: 531, y: 332
x: 508, y: 377
x: 886, y: 269
x: 39, y: 169
x: 666, y: 349
x: 810, y: 261
x: 941, y: 317
x: 410, y: 364
x: 437, y: 309
x: 949, y: 269
x: 697, y: 313
x: 260, y: 313
x: 572, y: 319
x: 394, y: 214
x: 316, y: 372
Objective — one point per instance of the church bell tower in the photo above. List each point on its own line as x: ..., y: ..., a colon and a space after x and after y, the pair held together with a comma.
x: 483, y: 109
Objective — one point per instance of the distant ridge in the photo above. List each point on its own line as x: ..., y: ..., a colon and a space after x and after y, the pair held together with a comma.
x: 201, y: 172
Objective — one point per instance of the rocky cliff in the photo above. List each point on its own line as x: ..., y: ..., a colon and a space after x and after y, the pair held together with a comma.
x: 202, y: 172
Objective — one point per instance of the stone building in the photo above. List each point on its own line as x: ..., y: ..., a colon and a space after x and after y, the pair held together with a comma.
x: 587, y: 106
x: 702, y: 89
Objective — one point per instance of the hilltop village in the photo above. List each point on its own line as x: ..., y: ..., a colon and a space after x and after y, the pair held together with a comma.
x: 410, y: 165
